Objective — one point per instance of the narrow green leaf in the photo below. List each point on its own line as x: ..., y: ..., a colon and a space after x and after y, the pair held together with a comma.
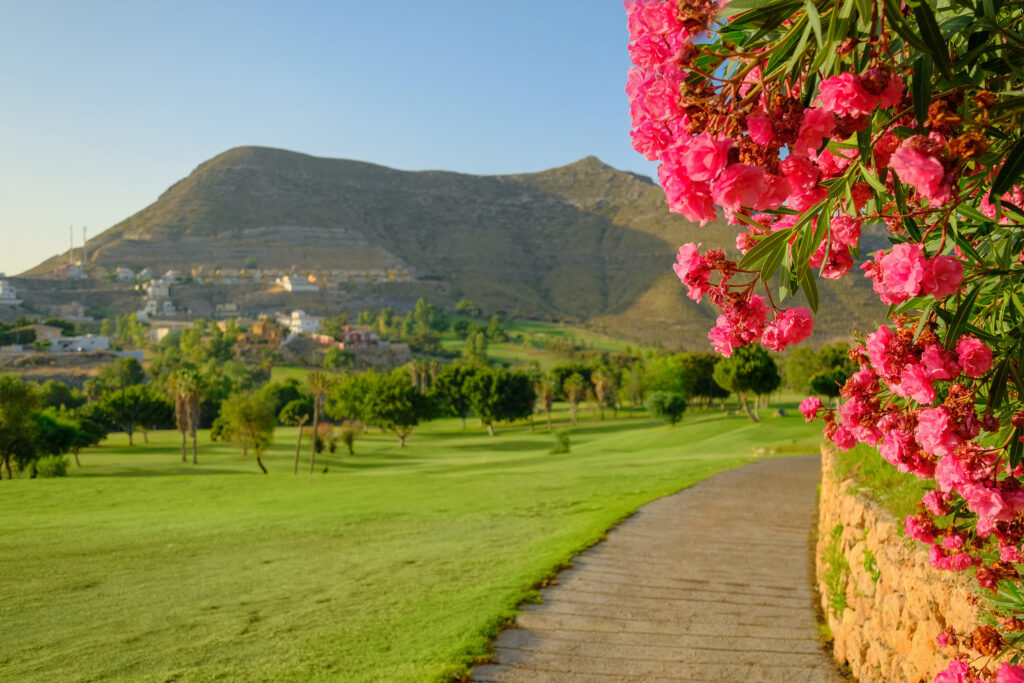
x: 814, y: 20
x: 864, y: 145
x: 810, y: 286
x: 924, y: 316
x: 921, y: 86
x: 959, y: 322
x: 997, y: 391
x: 760, y: 251
x: 1012, y: 168
x: 895, y: 18
x: 931, y: 34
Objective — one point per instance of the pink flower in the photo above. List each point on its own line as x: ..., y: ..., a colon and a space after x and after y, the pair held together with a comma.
x: 738, y: 186
x: 936, y: 503
x: 942, y: 276
x: 915, y: 166
x: 651, y: 139
x: 685, y: 196
x: 688, y: 261
x: 893, y: 92
x: 956, y: 672
x: 902, y: 270
x: 845, y: 230
x: 1009, y: 553
x: 914, y: 529
x: 844, y: 95
x: 662, y: 100
x: 844, y: 438
x: 1009, y: 673
x: 817, y: 125
x: 661, y: 17
x: 986, y: 502
x: 801, y: 172
x: 942, y: 640
x: 939, y: 363
x: 935, y: 432
x: 974, y: 357
x: 834, y: 163
x: 796, y: 324
x: 916, y: 383
x: 760, y: 129
x: 706, y: 157
x: 809, y: 407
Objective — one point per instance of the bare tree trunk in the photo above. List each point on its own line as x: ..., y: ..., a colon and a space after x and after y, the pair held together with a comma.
x: 77, y: 464
x: 548, y: 410
x: 401, y: 439
x: 195, y: 449
x: 490, y: 429
x: 316, y: 433
x: 259, y: 462
x: 145, y: 436
x: 298, y: 447
x: 184, y: 446
x: 574, y: 407
x: 130, y: 441
x: 746, y: 406
x: 463, y: 422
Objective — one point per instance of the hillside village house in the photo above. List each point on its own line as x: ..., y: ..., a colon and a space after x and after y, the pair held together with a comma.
x: 352, y: 337
x: 290, y: 284
x: 124, y: 275
x: 80, y: 344
x: 299, y: 322
x: 72, y: 272
x: 72, y: 311
x: 8, y: 295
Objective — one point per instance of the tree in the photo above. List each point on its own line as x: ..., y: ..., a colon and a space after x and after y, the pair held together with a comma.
x: 701, y: 367
x: 319, y: 384
x: 54, y: 433
x: 667, y: 405
x: 335, y: 358
x: 633, y: 384
x: 575, y: 389
x: 297, y: 413
x: 18, y: 400
x: 123, y: 372
x: 468, y: 308
x: 450, y: 390
x: 669, y: 373
x: 126, y: 409
x: 829, y: 382
x: 56, y: 394
x: 605, y: 385
x: 475, y: 348
x: 749, y: 369
x: 497, y: 395
x: 547, y: 389
x: 91, y: 431
x: 249, y: 422
x: 334, y: 326
x: 185, y: 387
x: 349, y: 398
x: 396, y: 405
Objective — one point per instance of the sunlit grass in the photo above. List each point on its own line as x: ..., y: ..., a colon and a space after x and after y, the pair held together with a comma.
x: 398, y: 564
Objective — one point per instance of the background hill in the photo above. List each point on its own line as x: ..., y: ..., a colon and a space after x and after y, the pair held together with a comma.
x: 583, y: 243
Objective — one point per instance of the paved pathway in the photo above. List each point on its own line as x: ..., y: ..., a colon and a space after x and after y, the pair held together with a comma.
x: 711, y: 584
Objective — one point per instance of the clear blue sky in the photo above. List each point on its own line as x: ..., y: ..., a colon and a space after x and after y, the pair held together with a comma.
x: 106, y: 104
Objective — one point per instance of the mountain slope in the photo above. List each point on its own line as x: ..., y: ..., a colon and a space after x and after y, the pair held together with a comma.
x: 584, y: 242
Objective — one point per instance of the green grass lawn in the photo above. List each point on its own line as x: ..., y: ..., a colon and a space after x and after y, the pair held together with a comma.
x: 395, y: 565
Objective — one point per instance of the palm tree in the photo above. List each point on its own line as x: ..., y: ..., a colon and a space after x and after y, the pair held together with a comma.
x: 575, y: 388
x: 319, y: 383
x: 546, y: 390
x: 185, y: 386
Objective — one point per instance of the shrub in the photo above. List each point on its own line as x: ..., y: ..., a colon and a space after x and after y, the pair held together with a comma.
x: 561, y: 443
x: 51, y: 466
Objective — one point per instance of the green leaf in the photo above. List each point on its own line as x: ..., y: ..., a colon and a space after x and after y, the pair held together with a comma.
x: 895, y: 18
x: 765, y: 248
x: 814, y: 20
x: 1011, y: 170
x: 924, y: 316
x: 932, y: 36
x: 921, y: 86
x: 997, y: 390
x: 956, y: 326
x: 810, y: 286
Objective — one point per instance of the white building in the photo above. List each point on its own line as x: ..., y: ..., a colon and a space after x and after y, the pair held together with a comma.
x: 291, y: 284
x: 79, y: 344
x: 158, y: 289
x: 299, y: 322
x: 163, y: 307
x: 8, y: 295
x: 173, y: 276
x: 125, y: 275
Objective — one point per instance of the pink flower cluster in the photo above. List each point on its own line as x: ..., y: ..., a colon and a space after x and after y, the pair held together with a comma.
x: 915, y: 401
x: 919, y: 161
x: 744, y: 320
x: 904, y: 272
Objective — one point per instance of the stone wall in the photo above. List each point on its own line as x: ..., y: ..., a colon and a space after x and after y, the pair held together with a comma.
x: 884, y: 603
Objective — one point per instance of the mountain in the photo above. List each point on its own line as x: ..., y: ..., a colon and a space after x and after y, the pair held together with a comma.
x: 583, y: 243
